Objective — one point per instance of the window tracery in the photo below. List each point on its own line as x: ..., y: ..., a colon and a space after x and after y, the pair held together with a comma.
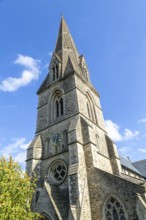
x: 56, y: 105
x: 57, y: 172
x: 59, y: 106
x: 114, y: 210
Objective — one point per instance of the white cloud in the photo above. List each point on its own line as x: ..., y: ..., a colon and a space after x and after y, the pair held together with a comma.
x: 17, y: 149
x: 142, y: 150
x: 20, y: 157
x: 128, y: 134
x: 114, y: 132
x: 31, y: 73
x: 143, y: 121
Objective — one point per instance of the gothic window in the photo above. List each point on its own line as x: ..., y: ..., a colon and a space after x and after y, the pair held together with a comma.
x: 57, y: 73
x: 53, y: 73
x: 57, y: 109
x: 55, y: 70
x: 59, y: 106
x: 56, y: 105
x: 90, y: 108
x: 45, y: 216
x: 114, y: 210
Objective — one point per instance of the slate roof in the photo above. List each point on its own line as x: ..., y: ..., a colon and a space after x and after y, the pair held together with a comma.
x: 141, y: 166
x: 126, y: 163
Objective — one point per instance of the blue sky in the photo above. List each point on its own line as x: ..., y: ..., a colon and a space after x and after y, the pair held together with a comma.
x: 112, y: 37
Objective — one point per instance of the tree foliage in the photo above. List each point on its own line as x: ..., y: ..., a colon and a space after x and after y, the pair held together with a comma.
x: 16, y: 191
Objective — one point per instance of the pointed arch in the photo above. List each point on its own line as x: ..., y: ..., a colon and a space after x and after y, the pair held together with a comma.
x: 56, y: 103
x: 46, y: 216
x: 114, y: 209
x: 55, y: 67
x: 90, y: 107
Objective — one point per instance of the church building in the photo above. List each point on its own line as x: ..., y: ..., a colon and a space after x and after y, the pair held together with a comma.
x: 80, y: 173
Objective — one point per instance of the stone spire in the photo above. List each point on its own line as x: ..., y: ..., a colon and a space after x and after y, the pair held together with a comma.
x: 66, y: 49
x: 68, y: 57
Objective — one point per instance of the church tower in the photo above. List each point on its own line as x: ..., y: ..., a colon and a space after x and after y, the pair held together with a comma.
x: 77, y: 165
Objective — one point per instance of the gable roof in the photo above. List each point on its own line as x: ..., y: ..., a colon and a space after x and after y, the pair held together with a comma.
x: 141, y: 166
x: 128, y: 164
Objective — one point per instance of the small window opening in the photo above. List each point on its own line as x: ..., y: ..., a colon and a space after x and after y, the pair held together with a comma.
x: 57, y: 109
x: 55, y: 70
x: 61, y: 106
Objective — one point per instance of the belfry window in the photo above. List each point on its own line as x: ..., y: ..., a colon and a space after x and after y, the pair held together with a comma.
x: 56, y: 102
x: 59, y: 106
x: 57, y: 109
x: 57, y: 73
x: 55, y: 70
x: 114, y: 210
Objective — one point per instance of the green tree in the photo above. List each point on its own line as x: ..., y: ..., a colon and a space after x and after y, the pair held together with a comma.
x: 16, y: 191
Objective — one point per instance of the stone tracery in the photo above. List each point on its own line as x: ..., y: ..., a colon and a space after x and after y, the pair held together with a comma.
x: 114, y: 210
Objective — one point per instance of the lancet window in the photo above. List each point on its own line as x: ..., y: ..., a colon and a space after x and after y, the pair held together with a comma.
x: 90, y: 108
x: 56, y: 105
x: 59, y: 106
x: 55, y: 70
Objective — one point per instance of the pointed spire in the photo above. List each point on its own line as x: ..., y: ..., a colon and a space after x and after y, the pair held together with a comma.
x: 67, y: 55
x: 63, y: 36
x: 65, y: 47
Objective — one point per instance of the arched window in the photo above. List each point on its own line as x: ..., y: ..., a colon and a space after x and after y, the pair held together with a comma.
x: 57, y: 73
x: 59, y: 106
x: 90, y: 108
x: 53, y: 73
x: 45, y: 216
x: 114, y: 210
x: 56, y: 105
x: 55, y: 70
